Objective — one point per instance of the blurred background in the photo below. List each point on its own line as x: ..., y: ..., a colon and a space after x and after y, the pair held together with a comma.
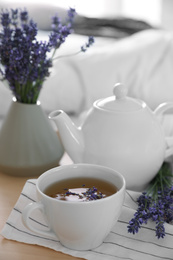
x: 133, y: 45
x: 155, y: 12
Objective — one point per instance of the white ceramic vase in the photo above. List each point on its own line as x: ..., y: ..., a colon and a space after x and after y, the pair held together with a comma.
x: 28, y: 144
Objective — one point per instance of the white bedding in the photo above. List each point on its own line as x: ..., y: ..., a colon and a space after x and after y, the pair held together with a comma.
x: 143, y: 62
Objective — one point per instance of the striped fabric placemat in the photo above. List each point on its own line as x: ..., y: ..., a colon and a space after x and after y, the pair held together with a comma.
x: 119, y: 244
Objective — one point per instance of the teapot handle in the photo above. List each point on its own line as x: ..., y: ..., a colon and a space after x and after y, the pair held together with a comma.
x: 162, y: 108
x: 159, y: 111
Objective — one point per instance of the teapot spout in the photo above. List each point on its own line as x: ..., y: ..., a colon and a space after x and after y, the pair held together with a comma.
x: 71, y: 136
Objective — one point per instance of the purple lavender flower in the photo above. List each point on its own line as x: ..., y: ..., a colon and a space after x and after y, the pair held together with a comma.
x: 156, y: 205
x: 88, y: 44
x: 160, y: 230
x: 25, y: 61
x: 71, y: 15
x: 5, y: 19
x: 90, y: 194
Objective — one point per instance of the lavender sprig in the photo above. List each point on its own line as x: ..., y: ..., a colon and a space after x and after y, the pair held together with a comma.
x: 155, y: 204
x: 25, y: 61
x: 90, y: 194
x: 83, y: 48
x: 88, y: 44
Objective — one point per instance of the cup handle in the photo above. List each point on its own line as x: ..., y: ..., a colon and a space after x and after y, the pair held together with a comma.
x: 25, y: 218
x: 159, y: 111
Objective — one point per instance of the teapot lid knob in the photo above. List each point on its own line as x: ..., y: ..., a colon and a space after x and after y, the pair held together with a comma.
x: 120, y: 102
x: 120, y: 91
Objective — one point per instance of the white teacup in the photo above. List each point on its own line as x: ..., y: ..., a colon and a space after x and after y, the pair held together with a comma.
x: 78, y: 225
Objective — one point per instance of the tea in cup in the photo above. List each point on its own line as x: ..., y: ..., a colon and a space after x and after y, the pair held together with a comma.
x: 81, y: 202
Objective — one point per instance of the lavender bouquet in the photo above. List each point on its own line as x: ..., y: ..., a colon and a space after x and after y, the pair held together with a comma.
x: 24, y: 61
x: 156, y: 203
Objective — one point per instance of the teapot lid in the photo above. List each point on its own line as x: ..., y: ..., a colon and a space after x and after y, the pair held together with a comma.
x: 120, y: 102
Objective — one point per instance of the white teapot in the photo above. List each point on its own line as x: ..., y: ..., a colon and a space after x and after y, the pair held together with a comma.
x: 121, y: 133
